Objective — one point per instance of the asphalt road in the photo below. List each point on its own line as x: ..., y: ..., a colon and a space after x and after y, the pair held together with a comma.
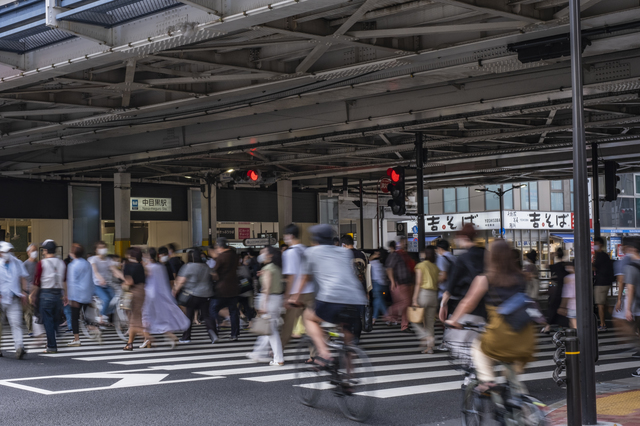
x: 162, y: 387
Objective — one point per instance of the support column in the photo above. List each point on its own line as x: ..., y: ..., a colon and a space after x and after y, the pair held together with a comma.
x: 122, y: 207
x: 285, y: 205
x: 420, y: 155
x: 209, y: 214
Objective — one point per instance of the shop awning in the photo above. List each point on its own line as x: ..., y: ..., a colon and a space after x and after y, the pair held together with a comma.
x: 567, y: 238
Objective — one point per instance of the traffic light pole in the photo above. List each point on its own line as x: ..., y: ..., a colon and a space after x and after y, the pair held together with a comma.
x: 420, y: 154
x: 596, y: 190
x: 361, y: 236
x: 584, y: 287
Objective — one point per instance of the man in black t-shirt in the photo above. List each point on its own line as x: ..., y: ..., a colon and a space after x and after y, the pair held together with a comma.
x: 603, y: 268
x: 360, y: 269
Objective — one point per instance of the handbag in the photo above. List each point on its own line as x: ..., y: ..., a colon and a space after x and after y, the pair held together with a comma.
x: 261, y: 325
x: 520, y: 310
x: 367, y: 325
x: 125, y: 301
x: 245, y: 286
x: 415, y: 314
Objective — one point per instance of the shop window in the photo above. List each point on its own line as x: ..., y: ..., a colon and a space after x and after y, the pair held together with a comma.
x: 507, y: 199
x: 571, y: 186
x: 618, y: 214
x: 557, y: 201
x: 529, y: 196
x: 426, y: 204
x: 462, y: 197
x: 556, y: 185
x: 626, y: 184
x: 449, y: 195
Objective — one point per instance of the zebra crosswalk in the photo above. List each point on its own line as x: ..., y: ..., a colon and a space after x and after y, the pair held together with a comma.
x: 400, y: 368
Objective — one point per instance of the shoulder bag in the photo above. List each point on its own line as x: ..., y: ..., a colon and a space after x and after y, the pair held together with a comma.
x: 261, y: 325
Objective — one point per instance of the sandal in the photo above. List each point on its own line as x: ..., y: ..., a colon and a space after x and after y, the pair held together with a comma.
x: 320, y: 363
x: 128, y: 347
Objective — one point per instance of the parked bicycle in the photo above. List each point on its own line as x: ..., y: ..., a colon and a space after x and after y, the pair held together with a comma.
x: 349, y: 375
x: 505, y: 404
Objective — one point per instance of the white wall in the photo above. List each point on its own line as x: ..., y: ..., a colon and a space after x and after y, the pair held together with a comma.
x: 54, y: 229
x: 164, y: 232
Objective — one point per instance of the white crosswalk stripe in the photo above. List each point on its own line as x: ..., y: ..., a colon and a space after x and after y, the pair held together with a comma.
x: 399, y: 367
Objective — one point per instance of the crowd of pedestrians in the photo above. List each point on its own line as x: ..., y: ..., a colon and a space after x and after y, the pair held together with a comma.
x: 292, y: 289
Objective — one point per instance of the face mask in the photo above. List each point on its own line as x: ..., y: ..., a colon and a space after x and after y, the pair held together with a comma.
x: 261, y: 258
x: 34, y: 255
x: 103, y: 251
x: 596, y: 247
x: 4, y: 256
x: 164, y: 259
x: 287, y: 240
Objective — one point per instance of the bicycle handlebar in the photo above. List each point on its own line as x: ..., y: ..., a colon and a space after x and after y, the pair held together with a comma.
x: 468, y: 325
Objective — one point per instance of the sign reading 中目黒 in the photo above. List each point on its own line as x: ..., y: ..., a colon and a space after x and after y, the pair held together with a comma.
x: 149, y: 204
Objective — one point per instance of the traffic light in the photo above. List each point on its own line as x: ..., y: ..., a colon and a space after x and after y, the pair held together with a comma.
x: 248, y: 176
x: 611, y: 180
x: 397, y: 190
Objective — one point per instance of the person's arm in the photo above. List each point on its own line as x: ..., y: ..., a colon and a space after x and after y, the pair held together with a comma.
x: 65, y: 299
x: 630, y: 297
x: 178, y: 284
x: 289, y: 286
x: 444, y: 307
x: 117, y: 273
x: 478, y: 289
x: 414, y: 301
x: 391, y: 280
x: 293, y: 299
x: 36, y: 284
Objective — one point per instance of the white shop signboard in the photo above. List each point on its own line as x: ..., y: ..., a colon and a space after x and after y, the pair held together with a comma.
x: 553, y: 221
x: 150, y: 204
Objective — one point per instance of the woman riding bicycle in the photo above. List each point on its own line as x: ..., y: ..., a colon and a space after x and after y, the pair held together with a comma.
x: 501, y: 342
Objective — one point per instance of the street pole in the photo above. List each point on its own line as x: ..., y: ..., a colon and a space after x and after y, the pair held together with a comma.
x: 584, y: 291
x: 596, y: 190
x: 361, y: 237
x: 500, y: 195
x: 420, y: 190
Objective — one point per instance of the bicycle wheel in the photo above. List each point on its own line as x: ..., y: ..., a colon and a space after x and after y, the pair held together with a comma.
x: 531, y: 414
x: 477, y: 410
x: 88, y: 324
x: 308, y: 380
x: 121, y: 323
x: 356, y: 378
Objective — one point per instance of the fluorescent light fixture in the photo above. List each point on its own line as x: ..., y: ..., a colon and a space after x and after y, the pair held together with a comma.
x: 230, y: 171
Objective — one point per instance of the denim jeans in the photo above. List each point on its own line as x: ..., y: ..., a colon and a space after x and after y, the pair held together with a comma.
x: 67, y: 314
x: 105, y: 294
x: 234, y: 313
x: 50, y: 311
x: 379, y: 307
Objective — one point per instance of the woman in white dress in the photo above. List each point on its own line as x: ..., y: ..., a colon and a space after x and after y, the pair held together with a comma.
x: 160, y: 313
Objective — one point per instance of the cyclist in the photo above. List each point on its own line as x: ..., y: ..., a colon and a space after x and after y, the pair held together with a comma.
x: 501, y: 342
x: 340, y: 295
x: 103, y: 279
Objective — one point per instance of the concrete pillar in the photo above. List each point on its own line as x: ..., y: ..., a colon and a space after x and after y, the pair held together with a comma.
x: 122, y: 204
x: 285, y: 205
x: 209, y: 204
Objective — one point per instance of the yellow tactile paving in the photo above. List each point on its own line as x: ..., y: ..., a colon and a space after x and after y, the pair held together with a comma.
x: 619, y: 405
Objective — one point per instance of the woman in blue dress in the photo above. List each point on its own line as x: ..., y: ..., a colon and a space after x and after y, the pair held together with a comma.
x: 160, y: 314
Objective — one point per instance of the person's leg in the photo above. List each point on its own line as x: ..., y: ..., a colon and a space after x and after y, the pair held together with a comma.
x: 406, y: 291
x: 393, y: 313
x: 274, y: 305
x: 290, y: 319
x: 420, y: 328
x: 214, y: 310
x: 430, y: 313
x: 312, y: 324
x: 28, y: 317
x: 14, y: 316
x: 204, y: 306
x: 48, y: 313
x: 234, y: 317
x: 189, y: 309
x: 483, y: 364
x: 75, y: 320
x: 67, y: 314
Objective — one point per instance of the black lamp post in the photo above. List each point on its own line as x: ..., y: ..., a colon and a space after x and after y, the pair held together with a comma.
x: 500, y: 193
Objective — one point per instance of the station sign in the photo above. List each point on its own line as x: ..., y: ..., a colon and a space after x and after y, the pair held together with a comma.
x: 229, y: 233
x: 259, y: 242
x: 150, y: 204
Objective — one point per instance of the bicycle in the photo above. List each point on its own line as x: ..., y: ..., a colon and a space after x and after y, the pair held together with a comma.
x: 349, y: 384
x: 120, y: 316
x: 503, y: 404
x: 88, y: 321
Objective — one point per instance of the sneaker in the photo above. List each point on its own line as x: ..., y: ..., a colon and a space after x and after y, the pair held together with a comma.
x: 50, y: 351
x: 442, y: 348
x: 636, y: 373
x: 276, y: 364
x: 602, y: 328
x: 30, y: 334
x: 20, y: 353
x: 68, y: 332
x: 74, y: 343
x: 636, y: 355
x: 184, y: 341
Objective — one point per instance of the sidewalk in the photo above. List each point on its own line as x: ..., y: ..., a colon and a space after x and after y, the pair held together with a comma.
x: 618, y: 402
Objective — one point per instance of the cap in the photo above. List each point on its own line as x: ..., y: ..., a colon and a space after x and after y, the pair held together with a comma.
x: 49, y: 246
x: 5, y: 247
x: 322, y: 234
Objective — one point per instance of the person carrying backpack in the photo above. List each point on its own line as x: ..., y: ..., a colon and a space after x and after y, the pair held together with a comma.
x: 399, y: 270
x: 603, y: 268
x: 632, y: 289
x: 360, y: 269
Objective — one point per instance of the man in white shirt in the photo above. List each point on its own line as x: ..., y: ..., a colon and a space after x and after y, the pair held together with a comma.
x: 103, y: 279
x: 292, y: 260
x: 13, y: 282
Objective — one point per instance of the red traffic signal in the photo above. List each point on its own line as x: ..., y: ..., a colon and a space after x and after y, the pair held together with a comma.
x: 253, y: 175
x: 394, y: 174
